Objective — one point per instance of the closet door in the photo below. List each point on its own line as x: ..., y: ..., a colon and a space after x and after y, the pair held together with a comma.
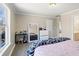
x: 59, y: 26
x: 49, y: 24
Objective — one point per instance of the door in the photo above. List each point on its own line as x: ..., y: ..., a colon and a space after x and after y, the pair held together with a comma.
x: 50, y: 28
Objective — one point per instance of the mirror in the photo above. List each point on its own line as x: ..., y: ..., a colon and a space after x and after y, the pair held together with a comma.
x: 32, y: 32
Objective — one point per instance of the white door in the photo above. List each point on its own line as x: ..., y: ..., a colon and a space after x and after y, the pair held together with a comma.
x: 50, y: 27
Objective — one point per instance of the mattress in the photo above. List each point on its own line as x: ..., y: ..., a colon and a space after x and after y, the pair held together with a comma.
x: 66, y: 48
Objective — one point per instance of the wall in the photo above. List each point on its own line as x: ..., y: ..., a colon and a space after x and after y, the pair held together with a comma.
x: 22, y: 22
x: 67, y: 26
x: 67, y: 20
x: 76, y: 24
x: 8, y: 50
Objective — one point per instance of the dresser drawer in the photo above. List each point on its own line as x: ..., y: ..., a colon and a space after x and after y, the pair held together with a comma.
x: 43, y: 37
x: 43, y: 32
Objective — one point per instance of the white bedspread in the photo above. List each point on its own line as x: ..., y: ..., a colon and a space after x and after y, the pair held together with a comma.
x: 66, y: 48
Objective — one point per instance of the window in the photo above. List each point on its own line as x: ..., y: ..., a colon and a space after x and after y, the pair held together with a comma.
x: 3, y: 25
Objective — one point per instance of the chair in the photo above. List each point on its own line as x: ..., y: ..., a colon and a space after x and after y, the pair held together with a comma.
x: 19, y: 38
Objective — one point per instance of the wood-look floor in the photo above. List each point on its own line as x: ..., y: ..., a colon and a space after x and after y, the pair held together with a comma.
x: 20, y: 50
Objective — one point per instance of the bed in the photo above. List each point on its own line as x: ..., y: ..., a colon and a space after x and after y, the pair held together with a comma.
x: 31, y: 49
x: 65, y: 48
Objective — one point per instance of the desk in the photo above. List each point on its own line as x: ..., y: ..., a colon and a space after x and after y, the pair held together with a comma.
x: 21, y: 38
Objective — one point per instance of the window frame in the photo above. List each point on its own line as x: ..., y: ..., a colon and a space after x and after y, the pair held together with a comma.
x: 7, y: 29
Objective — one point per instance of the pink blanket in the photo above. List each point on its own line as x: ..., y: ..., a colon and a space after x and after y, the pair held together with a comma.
x: 66, y: 48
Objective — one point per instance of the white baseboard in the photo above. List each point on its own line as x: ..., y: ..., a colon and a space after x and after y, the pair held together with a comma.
x: 12, y: 50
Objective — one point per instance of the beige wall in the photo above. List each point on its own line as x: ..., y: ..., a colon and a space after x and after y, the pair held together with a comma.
x: 22, y: 22
x: 67, y: 26
x: 76, y: 24
x: 68, y: 23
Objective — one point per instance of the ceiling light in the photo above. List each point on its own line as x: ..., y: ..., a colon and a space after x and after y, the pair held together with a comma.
x: 52, y: 4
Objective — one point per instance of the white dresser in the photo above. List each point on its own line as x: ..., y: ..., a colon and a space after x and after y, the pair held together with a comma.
x: 44, y: 35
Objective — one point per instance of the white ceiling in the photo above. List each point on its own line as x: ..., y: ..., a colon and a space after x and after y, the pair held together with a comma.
x: 43, y: 9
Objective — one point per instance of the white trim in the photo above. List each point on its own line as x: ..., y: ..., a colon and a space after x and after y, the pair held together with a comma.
x: 3, y: 49
x: 12, y: 50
